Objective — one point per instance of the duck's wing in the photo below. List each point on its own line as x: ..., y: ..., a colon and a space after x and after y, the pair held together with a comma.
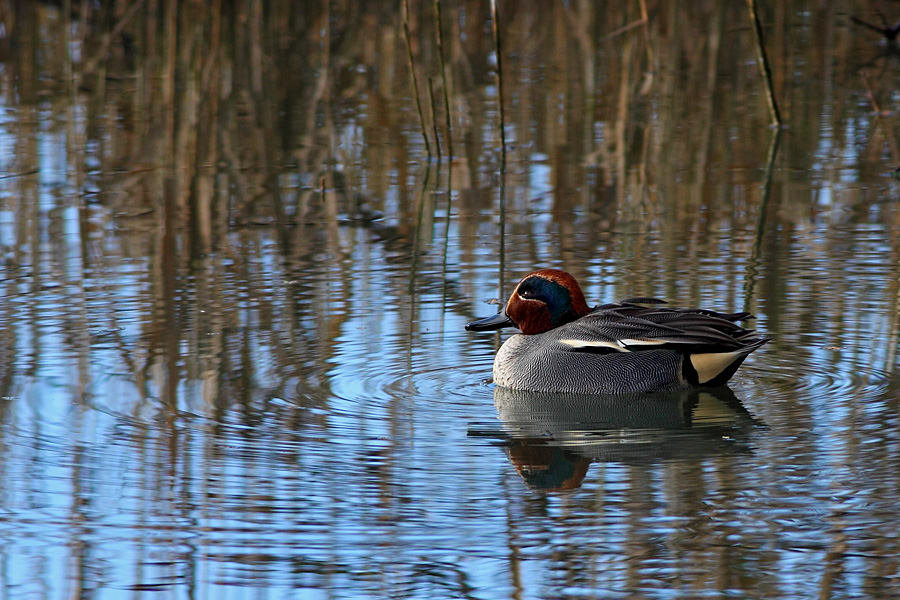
x: 625, y: 327
x: 713, y: 343
x: 648, y: 307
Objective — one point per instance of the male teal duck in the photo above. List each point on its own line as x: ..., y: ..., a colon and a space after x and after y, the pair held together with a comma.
x: 635, y: 345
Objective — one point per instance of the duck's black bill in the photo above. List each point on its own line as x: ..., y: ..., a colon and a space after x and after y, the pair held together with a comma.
x: 498, y: 321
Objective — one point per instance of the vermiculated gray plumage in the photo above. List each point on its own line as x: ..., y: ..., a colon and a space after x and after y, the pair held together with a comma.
x: 626, y: 347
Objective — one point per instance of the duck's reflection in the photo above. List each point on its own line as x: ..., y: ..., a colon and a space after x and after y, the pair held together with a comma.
x: 552, y: 439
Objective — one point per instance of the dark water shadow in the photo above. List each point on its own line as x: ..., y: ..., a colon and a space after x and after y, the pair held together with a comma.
x: 552, y: 439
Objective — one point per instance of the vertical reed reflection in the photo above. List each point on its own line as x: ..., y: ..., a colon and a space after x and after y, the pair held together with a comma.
x: 498, y: 51
x: 753, y: 263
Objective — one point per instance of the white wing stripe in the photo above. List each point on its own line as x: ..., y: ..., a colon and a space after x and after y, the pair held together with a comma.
x: 587, y: 344
x: 631, y: 342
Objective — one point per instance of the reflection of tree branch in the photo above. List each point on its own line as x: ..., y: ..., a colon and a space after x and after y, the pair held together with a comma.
x: 91, y: 64
x: 871, y: 93
x: 22, y: 174
x: 623, y: 29
x: 890, y: 33
x: 881, y: 117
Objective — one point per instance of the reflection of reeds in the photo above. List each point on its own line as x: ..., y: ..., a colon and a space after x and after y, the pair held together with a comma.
x: 434, y: 126
x: 108, y: 37
x: 415, y: 80
x: 645, y: 17
x: 440, y: 48
x: 761, y: 218
x: 300, y: 104
x: 881, y: 119
x: 502, y: 241
x: 295, y: 106
x: 417, y: 232
x: 495, y: 12
x: 763, y: 61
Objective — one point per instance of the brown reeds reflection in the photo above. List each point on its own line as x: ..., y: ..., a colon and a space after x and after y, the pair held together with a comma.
x: 198, y: 199
x: 185, y: 129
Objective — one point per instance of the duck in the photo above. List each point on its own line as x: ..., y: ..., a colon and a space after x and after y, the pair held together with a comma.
x: 636, y: 345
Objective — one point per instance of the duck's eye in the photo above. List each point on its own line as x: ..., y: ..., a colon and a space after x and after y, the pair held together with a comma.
x: 526, y: 293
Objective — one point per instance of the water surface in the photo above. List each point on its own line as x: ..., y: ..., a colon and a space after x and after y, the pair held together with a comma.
x: 235, y: 289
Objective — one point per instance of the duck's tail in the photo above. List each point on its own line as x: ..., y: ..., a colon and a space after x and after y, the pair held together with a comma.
x: 716, y: 368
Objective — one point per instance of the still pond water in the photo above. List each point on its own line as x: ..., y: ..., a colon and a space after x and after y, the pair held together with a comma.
x: 234, y: 291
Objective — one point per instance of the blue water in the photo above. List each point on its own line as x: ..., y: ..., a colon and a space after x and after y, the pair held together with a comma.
x: 205, y: 396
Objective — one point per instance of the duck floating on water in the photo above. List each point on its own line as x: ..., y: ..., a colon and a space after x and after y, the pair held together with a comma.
x: 636, y: 345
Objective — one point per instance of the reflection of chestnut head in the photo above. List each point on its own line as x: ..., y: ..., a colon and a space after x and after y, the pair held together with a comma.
x: 547, y: 468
